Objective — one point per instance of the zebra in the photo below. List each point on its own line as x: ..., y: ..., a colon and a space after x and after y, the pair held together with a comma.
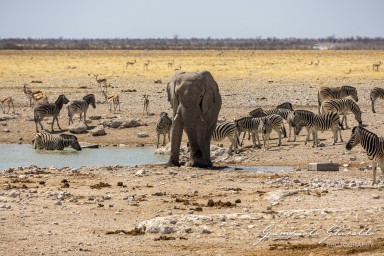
x: 315, y: 123
x: 163, y: 126
x: 49, y: 109
x: 229, y: 130
x: 325, y: 93
x: 376, y: 92
x: 283, y: 112
x: 80, y: 106
x: 342, y: 106
x: 250, y: 125
x: 44, y: 140
x: 9, y: 101
x: 285, y: 105
x: 373, y: 144
x: 267, y: 124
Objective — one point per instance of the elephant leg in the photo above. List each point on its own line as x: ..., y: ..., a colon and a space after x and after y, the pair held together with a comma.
x: 177, y: 134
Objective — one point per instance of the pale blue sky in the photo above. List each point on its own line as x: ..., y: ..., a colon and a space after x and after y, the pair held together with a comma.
x: 192, y: 18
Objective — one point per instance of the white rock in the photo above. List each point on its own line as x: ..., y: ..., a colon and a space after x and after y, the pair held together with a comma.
x: 98, y: 131
x: 78, y: 128
x: 206, y: 230
x: 375, y: 196
x: 142, y: 135
x: 14, y: 193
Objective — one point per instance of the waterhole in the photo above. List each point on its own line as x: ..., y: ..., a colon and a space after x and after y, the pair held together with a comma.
x: 15, y: 155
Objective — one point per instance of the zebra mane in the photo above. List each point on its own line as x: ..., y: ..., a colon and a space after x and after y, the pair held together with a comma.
x: 89, y: 98
x: 364, y: 131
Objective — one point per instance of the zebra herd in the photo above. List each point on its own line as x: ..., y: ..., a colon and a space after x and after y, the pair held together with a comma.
x: 332, y: 104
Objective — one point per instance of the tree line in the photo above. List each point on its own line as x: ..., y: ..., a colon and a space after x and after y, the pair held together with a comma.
x: 351, y: 43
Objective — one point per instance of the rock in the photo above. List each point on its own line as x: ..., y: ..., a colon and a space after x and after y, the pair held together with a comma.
x: 323, y: 167
x: 166, y: 150
x: 98, y: 131
x: 6, y: 130
x: 375, y: 196
x: 142, y: 135
x: 78, y: 128
x: 14, y: 193
x: 95, y: 117
x: 206, y: 230
x: 141, y: 172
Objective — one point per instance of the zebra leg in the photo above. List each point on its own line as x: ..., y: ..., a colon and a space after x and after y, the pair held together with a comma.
x: 241, y: 143
x: 164, y: 137
x: 57, y: 121
x: 373, y: 105
x: 158, y: 140
x: 374, y: 167
x: 85, y: 118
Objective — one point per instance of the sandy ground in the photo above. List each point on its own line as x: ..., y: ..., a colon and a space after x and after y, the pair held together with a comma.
x: 185, y: 211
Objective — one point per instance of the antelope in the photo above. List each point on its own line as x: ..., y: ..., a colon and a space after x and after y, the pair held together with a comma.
x: 178, y: 68
x: 170, y: 64
x: 7, y: 100
x: 131, y: 63
x: 146, y: 64
x: 376, y: 66
x: 317, y: 63
x: 34, y: 95
x: 146, y: 103
x: 100, y: 81
x: 112, y: 98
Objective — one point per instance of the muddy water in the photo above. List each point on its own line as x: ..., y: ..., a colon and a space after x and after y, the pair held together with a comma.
x: 14, y: 155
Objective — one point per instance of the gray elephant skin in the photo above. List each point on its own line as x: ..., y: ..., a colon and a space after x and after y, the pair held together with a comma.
x: 196, y: 103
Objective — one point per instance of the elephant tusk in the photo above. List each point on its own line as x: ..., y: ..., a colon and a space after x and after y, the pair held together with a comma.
x: 175, y: 116
x: 201, y: 118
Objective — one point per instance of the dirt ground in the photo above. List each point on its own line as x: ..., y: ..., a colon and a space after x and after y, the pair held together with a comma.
x: 154, y: 210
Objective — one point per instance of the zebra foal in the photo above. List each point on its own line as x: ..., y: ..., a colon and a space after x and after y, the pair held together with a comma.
x: 49, y: 109
x: 373, y: 144
x: 229, y: 130
x: 326, y: 93
x: 48, y: 141
x: 315, y: 123
x: 342, y: 107
x: 163, y: 126
x: 269, y: 123
x: 250, y: 125
x: 376, y: 93
x: 80, y: 106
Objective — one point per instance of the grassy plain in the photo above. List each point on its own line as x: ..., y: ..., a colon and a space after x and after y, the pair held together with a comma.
x: 47, y: 217
x: 47, y: 65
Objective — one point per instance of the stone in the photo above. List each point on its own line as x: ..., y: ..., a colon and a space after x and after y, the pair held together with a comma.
x: 14, y: 193
x: 323, y: 167
x: 142, y: 135
x: 78, y: 128
x: 98, y: 131
x: 375, y: 196
x: 95, y: 117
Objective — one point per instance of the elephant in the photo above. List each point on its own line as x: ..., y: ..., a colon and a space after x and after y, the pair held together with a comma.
x: 196, y: 103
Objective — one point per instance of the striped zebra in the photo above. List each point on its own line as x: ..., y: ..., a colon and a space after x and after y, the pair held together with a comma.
x: 252, y: 126
x: 80, y: 106
x: 376, y: 93
x: 315, y: 123
x: 248, y: 124
x: 285, y: 113
x: 9, y: 101
x: 342, y: 107
x: 229, y: 130
x: 49, y: 109
x: 112, y: 98
x: 373, y: 144
x: 267, y: 124
x: 163, y: 126
x: 44, y: 140
x: 326, y: 93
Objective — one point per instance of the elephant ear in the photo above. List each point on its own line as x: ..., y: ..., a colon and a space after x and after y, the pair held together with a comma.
x: 172, y: 94
x: 211, y: 90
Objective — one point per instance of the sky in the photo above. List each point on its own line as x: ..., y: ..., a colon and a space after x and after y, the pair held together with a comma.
x: 78, y: 19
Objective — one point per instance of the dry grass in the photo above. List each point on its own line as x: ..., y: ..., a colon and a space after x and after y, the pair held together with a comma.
x: 53, y: 65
